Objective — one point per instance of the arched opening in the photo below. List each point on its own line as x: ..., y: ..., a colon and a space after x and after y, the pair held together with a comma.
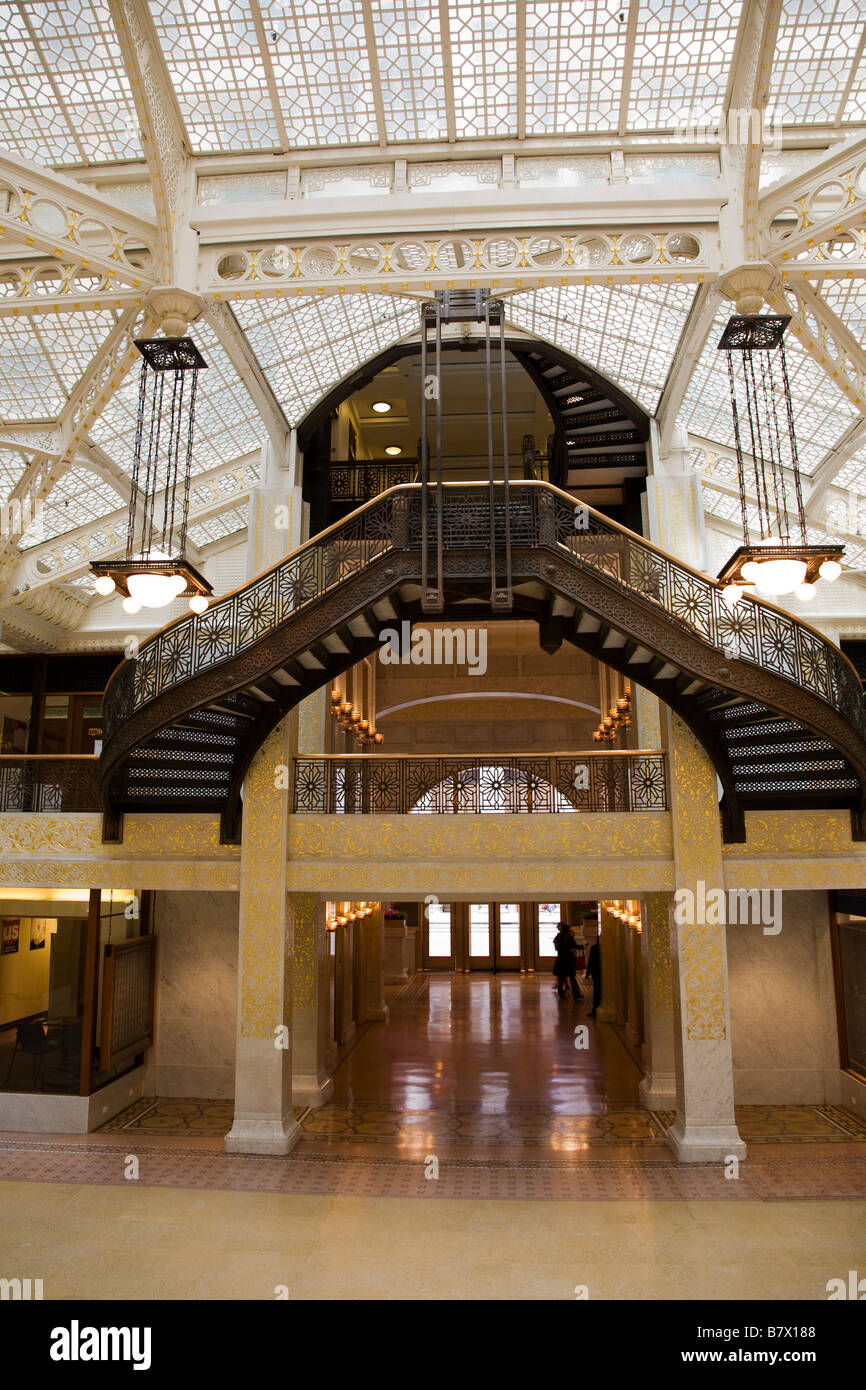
x: 566, y: 424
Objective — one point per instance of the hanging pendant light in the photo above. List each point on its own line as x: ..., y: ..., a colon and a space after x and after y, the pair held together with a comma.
x: 781, y: 562
x: 155, y: 571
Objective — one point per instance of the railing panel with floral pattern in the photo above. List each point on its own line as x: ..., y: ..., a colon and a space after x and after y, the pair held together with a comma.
x: 540, y: 516
x: 521, y: 784
x: 44, y: 782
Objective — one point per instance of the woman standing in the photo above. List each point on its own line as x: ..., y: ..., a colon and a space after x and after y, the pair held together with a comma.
x: 565, y: 968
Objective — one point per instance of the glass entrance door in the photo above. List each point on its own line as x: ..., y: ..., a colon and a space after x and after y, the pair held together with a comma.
x: 438, y: 937
x: 547, y: 920
x: 508, y: 953
x: 481, y: 922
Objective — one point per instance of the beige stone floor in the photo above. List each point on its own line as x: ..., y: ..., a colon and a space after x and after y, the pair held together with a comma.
x: 147, y: 1243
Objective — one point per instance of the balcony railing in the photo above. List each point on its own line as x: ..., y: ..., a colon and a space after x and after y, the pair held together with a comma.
x: 521, y: 784
x: 356, y: 481
x: 48, y: 782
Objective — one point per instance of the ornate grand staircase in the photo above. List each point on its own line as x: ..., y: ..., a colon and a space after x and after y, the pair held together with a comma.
x: 777, y: 706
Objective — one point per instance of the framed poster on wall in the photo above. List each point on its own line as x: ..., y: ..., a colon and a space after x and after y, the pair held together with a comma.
x: 10, y: 936
x: 38, y: 933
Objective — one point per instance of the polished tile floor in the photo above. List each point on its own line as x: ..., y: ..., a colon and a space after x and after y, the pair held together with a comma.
x: 547, y: 1175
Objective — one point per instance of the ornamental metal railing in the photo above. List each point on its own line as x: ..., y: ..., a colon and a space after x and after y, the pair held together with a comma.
x: 48, y: 782
x: 540, y: 516
x: 520, y: 784
x: 358, y: 481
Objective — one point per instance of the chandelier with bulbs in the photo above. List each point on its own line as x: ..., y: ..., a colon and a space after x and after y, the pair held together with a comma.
x: 780, y: 562
x: 618, y: 718
x: 351, y: 719
x: 154, y: 570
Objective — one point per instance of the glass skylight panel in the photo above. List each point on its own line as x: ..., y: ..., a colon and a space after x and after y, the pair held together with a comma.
x: 227, y: 425
x: 574, y: 67
x: 409, y: 51
x: 41, y: 359
x: 215, y: 528
x: 74, y: 501
x: 215, y: 62
x: 821, y: 412
x: 815, y: 52
x: 307, y: 345
x: 65, y: 97
x: 12, y: 466
x: 852, y: 474
x: 322, y: 71
x: 629, y: 332
x: 484, y: 65
x: 847, y: 299
x: 682, y: 59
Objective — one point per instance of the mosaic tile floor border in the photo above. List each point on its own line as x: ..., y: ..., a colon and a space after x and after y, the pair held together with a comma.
x: 457, y: 1125
x: 379, y: 1176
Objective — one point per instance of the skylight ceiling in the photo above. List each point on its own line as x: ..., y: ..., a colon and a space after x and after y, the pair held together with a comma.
x: 819, y: 50
x: 629, y: 332
x: 65, y: 97
x: 41, y: 359
x: 307, y: 345
x: 227, y: 425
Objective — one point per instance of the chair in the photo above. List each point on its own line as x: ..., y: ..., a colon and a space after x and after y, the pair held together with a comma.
x: 32, y: 1040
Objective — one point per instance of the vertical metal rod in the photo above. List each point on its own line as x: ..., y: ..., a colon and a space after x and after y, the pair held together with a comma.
x: 490, y: 473
x: 506, y: 500
x: 425, y: 460
x: 440, y: 497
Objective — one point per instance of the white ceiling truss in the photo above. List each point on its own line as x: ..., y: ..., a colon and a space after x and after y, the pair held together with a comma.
x: 308, y: 173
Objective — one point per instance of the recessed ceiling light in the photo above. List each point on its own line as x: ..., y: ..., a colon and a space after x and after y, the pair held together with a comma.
x: 381, y: 407
x: 393, y: 449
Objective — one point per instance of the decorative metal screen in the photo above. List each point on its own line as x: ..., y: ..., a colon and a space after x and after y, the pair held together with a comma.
x: 47, y: 783
x: 374, y: 785
x: 127, y: 999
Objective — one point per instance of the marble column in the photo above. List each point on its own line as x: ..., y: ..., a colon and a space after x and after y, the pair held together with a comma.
x: 612, y: 1007
x: 704, y: 1128
x: 634, y: 1000
x: 263, y: 1120
x: 371, y: 974
x: 658, y: 1089
x: 312, y: 1083
x: 395, y: 951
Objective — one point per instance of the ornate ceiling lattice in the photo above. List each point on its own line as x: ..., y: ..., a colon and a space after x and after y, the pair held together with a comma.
x: 305, y: 346
x: 42, y: 359
x: 66, y: 96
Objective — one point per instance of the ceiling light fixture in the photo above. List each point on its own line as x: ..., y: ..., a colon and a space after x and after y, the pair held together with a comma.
x: 381, y: 407
x: 393, y: 450
x: 154, y: 570
x: 782, y: 562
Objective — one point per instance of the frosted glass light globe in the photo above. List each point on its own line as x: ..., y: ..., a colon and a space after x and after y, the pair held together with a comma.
x: 131, y: 605
x: 198, y: 603
x: 780, y: 576
x: 749, y: 571
x: 830, y: 570
x: 104, y: 585
x: 732, y: 593
x: 806, y: 592
x: 155, y: 590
